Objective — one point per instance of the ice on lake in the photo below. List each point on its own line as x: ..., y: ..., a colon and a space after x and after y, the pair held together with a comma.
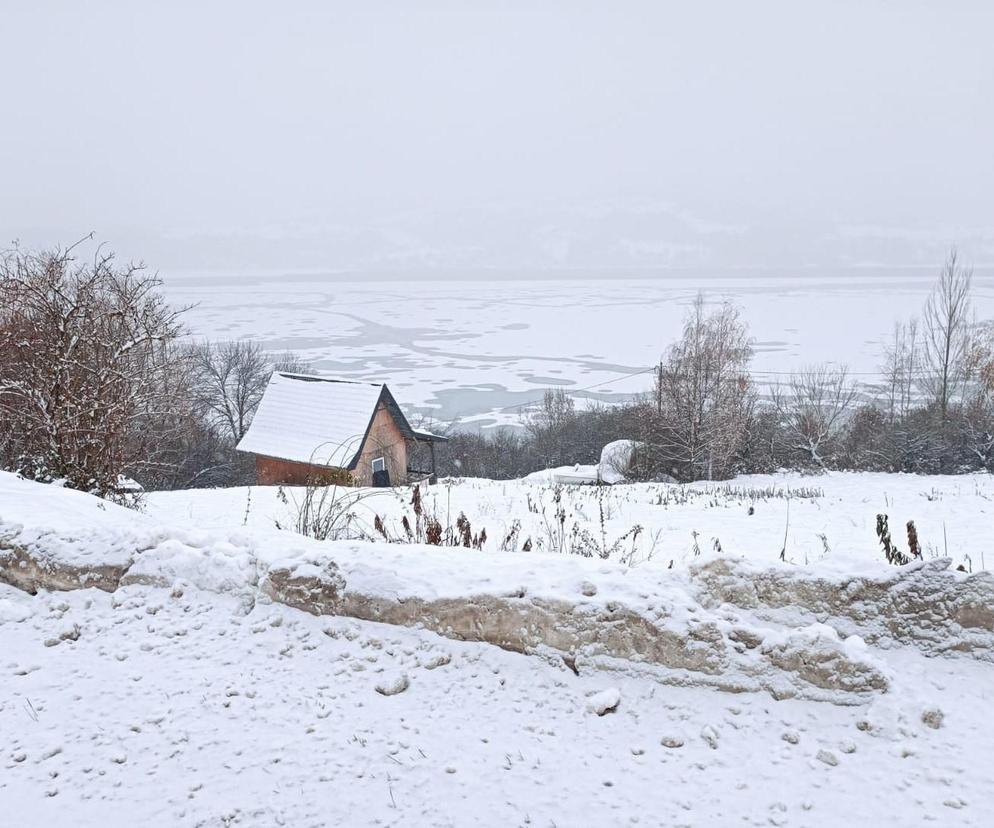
x: 480, y: 347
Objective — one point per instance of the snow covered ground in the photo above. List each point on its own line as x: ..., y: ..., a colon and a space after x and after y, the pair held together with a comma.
x: 182, y: 710
x: 190, y: 696
x: 828, y: 519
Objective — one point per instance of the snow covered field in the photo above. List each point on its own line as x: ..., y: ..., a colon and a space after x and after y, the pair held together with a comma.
x: 193, y: 694
x: 481, y: 348
x: 828, y: 519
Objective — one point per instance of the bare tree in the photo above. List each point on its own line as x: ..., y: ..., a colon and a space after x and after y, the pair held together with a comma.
x: 704, y: 394
x: 85, y: 361
x: 902, y: 369
x: 982, y: 358
x: 290, y: 362
x: 947, y: 327
x: 977, y: 416
x: 553, y: 428
x: 231, y: 378
x: 813, y: 408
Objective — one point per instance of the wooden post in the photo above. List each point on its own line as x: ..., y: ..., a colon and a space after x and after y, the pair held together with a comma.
x: 659, y: 387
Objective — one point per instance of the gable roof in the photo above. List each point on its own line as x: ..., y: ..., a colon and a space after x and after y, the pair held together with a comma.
x: 317, y: 420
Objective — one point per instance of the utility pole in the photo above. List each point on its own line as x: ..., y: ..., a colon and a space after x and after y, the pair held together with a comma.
x: 659, y: 387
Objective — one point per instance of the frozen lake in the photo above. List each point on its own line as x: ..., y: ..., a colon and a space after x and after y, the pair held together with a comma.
x: 480, y: 347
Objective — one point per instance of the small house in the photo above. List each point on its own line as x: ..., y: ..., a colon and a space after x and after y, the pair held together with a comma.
x: 311, y: 429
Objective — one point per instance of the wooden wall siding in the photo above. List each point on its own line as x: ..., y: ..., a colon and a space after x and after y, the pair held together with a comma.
x: 271, y: 471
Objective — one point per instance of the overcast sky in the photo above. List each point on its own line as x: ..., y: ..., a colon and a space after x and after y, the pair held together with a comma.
x: 142, y: 120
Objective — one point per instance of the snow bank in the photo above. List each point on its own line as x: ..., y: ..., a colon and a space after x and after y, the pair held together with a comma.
x: 578, y: 474
x: 65, y: 539
x: 178, y: 708
x: 200, y: 560
x: 925, y: 604
x: 724, y: 623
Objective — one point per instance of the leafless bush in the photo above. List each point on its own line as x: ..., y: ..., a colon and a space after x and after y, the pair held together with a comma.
x: 331, y: 512
x: 289, y: 362
x: 902, y: 369
x: 813, y: 410
x: 331, y: 507
x: 86, y: 366
x: 553, y: 428
x: 566, y: 534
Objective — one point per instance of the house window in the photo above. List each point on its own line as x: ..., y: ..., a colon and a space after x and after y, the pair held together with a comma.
x: 379, y: 464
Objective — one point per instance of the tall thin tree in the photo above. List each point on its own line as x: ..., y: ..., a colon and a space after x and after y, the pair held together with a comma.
x: 947, y: 328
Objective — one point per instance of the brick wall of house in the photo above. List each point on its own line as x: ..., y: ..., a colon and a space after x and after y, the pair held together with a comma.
x: 385, y: 440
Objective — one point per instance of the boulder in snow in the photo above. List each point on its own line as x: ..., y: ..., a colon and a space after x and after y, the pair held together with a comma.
x: 604, y: 702
x: 392, y: 685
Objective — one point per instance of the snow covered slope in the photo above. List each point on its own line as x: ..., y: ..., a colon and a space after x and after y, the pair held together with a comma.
x: 192, y: 692
x: 149, y: 707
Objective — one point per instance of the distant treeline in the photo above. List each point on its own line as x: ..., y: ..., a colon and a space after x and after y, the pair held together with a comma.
x: 707, y: 418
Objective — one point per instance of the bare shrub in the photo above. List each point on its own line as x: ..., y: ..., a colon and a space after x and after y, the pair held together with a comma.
x: 289, y: 362
x: 976, y: 415
x: 86, y: 366
x: 891, y: 552
x: 564, y: 533
x: 914, y: 545
x: 553, y: 428
x: 329, y: 511
x: 813, y: 408
x: 331, y: 507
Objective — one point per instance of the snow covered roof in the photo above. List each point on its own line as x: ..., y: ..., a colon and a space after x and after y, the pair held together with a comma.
x: 429, y: 437
x: 316, y: 420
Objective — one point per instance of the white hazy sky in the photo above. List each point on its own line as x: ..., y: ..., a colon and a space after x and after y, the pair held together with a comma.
x: 191, y: 118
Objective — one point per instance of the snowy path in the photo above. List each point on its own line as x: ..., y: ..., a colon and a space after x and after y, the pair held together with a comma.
x: 182, y: 710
